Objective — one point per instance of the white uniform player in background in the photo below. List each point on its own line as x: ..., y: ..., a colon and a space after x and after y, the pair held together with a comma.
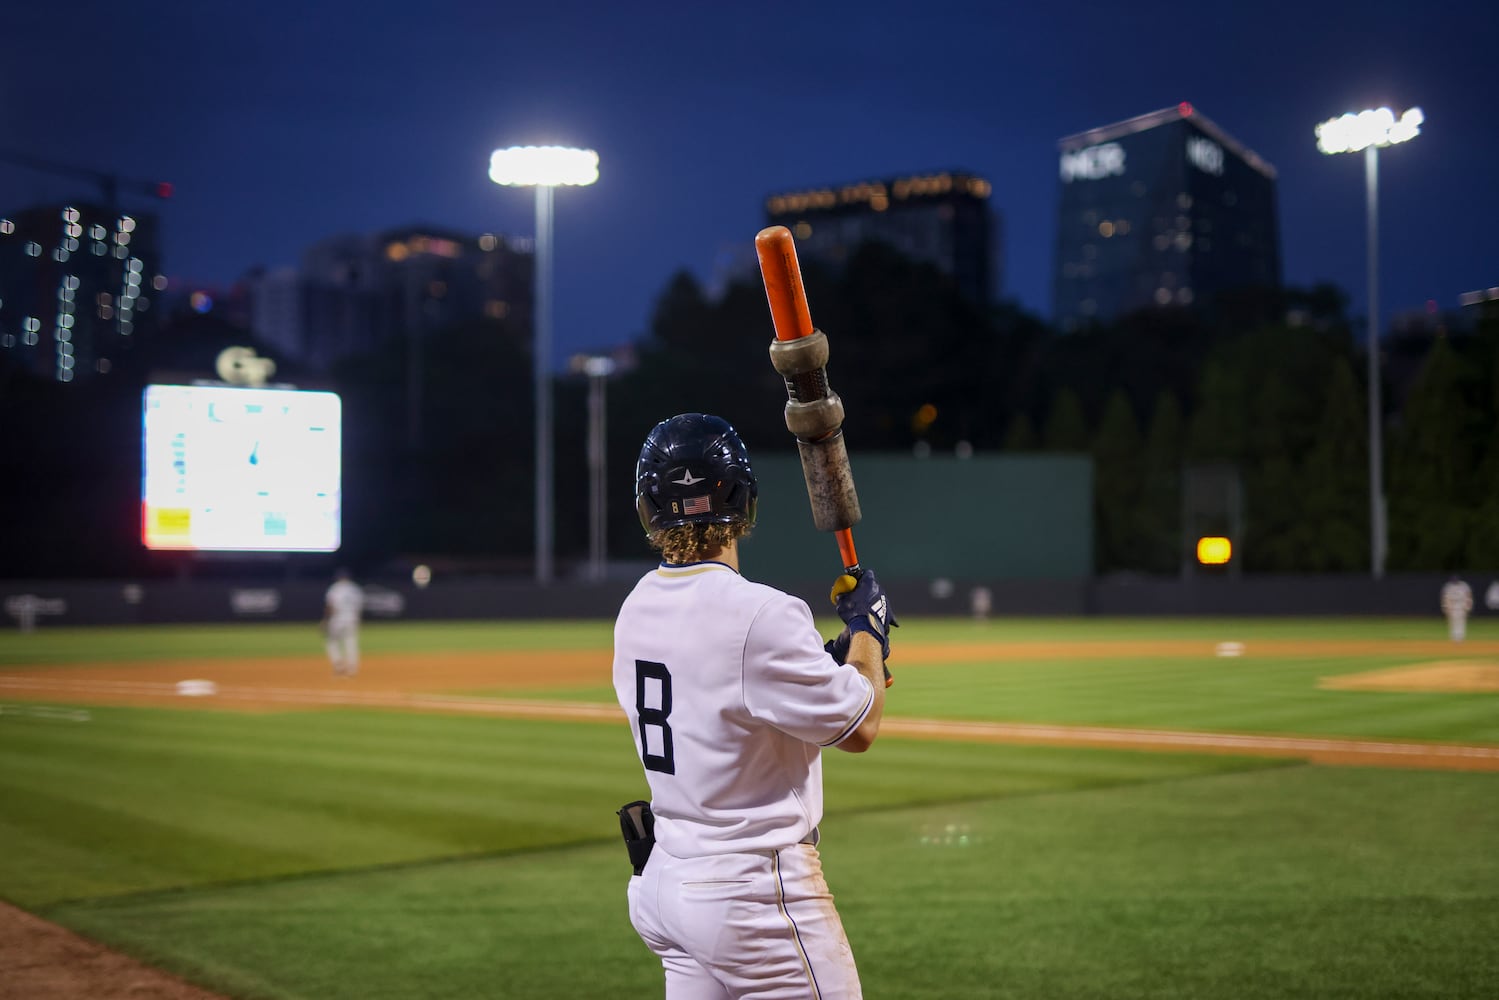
x: 342, y: 606
x: 1457, y: 602
x: 731, y: 695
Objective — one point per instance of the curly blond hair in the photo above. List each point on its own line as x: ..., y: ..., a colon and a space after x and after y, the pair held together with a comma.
x: 695, y: 542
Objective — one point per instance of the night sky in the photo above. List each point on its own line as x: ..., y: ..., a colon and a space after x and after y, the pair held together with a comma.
x: 282, y: 123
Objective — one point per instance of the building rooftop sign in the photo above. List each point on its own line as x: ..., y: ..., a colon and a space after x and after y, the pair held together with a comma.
x: 1106, y: 134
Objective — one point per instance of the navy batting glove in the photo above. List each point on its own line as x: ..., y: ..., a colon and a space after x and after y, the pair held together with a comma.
x: 837, y: 646
x: 863, y: 606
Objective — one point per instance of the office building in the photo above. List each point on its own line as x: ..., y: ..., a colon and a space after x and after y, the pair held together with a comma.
x: 357, y: 293
x: 941, y: 218
x: 77, y: 283
x: 1166, y: 209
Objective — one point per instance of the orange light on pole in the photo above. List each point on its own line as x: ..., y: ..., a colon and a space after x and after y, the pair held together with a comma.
x: 1214, y: 550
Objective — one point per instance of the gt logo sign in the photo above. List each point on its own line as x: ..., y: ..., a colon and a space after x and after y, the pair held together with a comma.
x: 1206, y: 155
x: 1093, y: 163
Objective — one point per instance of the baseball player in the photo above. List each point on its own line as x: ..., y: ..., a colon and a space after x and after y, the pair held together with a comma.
x: 731, y: 695
x: 1457, y: 601
x: 342, y: 606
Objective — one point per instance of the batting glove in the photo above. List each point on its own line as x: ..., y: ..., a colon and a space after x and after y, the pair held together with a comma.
x: 837, y: 646
x: 863, y: 606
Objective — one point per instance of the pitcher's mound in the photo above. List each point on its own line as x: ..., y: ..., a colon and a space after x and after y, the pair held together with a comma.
x: 1442, y: 675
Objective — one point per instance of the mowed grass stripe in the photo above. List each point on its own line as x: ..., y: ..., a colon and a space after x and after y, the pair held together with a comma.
x: 167, y: 798
x: 1238, y: 695
x: 141, y: 799
x: 113, y: 644
x: 1293, y: 881
x: 74, y: 645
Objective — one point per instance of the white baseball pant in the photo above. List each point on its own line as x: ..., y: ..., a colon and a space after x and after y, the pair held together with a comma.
x: 759, y: 924
x: 343, y: 647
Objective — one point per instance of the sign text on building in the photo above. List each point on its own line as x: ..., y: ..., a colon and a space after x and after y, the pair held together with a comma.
x: 1093, y: 163
x: 1206, y: 155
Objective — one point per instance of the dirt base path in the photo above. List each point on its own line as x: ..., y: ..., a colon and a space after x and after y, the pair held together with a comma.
x: 42, y: 961
x: 478, y: 684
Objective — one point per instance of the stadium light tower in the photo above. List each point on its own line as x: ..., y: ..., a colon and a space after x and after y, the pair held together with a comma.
x: 543, y: 167
x: 1368, y: 131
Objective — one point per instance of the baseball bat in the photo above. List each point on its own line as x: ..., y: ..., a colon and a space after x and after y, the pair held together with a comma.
x: 814, y: 412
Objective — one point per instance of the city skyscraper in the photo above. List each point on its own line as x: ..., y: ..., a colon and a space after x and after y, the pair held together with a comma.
x: 77, y: 284
x: 943, y: 218
x: 1165, y: 209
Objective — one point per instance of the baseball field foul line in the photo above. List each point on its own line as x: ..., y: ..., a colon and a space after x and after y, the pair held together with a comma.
x: 1320, y: 750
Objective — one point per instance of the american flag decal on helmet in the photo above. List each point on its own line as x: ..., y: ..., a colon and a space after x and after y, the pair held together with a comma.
x: 697, y: 505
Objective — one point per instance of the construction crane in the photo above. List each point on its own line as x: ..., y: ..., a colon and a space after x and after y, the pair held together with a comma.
x: 110, y: 184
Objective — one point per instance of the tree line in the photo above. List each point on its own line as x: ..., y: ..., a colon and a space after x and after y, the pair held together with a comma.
x: 1272, y: 385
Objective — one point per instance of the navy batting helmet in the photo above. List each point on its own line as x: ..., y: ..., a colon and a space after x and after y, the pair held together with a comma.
x: 693, y: 469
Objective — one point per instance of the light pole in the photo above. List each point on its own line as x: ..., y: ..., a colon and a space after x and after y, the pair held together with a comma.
x: 598, y: 368
x: 1367, y: 131
x: 543, y: 167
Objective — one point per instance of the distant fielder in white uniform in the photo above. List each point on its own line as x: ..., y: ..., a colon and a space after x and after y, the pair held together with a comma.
x: 731, y: 695
x: 342, y: 607
x: 1457, y: 601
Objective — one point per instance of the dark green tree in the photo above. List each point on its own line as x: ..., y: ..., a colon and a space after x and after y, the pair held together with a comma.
x: 1333, y: 531
x: 1483, y: 535
x: 1066, y: 428
x: 1021, y: 434
x: 1118, y: 487
x: 1160, y: 494
x: 1432, y: 486
x: 1217, y: 430
x: 1272, y: 493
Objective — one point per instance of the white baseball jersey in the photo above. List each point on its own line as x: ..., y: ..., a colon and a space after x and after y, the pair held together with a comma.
x: 1457, y: 598
x: 731, y: 697
x: 345, y: 601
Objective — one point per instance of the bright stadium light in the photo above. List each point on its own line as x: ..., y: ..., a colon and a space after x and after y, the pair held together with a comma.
x: 1377, y: 127
x: 543, y: 167
x: 528, y: 166
x: 1368, y: 131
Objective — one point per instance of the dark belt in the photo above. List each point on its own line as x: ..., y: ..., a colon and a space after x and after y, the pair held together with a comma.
x: 811, y: 838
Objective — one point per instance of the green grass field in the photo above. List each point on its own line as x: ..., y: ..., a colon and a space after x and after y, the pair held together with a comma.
x: 357, y: 853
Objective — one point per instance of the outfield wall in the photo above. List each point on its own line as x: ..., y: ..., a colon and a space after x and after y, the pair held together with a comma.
x: 161, y: 602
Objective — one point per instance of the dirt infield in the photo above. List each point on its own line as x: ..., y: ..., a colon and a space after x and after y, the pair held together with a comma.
x: 1443, y: 675
x: 477, y: 684
x: 39, y: 959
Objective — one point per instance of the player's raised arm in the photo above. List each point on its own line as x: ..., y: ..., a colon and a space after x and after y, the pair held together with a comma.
x: 865, y: 610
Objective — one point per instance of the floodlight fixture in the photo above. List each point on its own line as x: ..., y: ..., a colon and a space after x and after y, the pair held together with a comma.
x: 544, y: 168
x: 1367, y: 132
x: 528, y: 166
x: 1351, y: 132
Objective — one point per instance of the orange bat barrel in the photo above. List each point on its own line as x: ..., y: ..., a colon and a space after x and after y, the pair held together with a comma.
x: 776, y: 249
x: 814, y: 412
